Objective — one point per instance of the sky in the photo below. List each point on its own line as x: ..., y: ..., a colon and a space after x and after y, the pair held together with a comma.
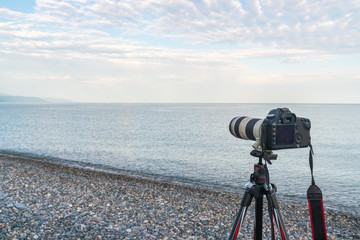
x: 235, y: 51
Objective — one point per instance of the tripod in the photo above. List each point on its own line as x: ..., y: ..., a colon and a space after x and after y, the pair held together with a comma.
x: 259, y: 186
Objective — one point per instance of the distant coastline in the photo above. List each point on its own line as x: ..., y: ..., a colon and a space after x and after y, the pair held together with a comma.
x: 22, y: 99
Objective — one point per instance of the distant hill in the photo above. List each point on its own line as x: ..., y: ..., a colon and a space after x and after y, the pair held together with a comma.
x: 22, y: 99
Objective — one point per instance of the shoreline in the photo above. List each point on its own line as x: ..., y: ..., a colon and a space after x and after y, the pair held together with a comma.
x: 46, y: 200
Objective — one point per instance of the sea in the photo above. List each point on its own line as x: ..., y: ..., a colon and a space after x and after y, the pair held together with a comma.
x: 189, y: 144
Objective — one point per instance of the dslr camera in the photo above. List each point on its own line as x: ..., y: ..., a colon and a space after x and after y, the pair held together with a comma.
x: 280, y: 129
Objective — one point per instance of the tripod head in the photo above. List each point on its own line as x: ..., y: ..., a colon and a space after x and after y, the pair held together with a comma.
x: 259, y: 175
x: 267, y: 155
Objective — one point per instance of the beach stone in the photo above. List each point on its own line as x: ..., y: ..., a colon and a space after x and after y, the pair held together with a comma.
x: 20, y: 206
x: 10, y: 205
x: 3, y: 195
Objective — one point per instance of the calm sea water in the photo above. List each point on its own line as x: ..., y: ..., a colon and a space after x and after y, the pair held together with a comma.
x: 189, y: 144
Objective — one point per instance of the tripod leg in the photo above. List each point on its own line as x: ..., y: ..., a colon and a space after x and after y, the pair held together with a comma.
x: 280, y: 224
x: 277, y: 216
x: 271, y: 214
x: 245, y: 203
x: 258, y: 217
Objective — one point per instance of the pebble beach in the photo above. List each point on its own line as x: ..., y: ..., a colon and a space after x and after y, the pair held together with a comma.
x: 44, y: 200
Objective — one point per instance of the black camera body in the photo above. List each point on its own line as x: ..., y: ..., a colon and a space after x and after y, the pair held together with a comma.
x: 281, y: 129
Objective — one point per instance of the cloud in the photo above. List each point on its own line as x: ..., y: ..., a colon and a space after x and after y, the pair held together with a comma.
x: 9, y: 14
x: 178, y: 46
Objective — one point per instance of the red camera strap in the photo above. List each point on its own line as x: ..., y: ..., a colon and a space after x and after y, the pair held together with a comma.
x: 314, y: 196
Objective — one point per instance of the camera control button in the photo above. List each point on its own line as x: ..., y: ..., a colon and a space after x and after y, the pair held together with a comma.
x: 298, y: 138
